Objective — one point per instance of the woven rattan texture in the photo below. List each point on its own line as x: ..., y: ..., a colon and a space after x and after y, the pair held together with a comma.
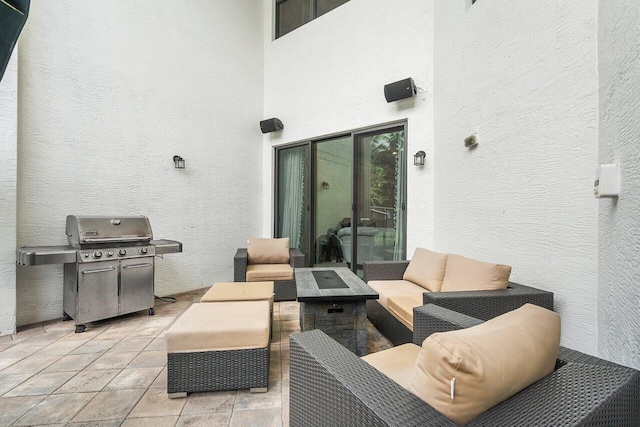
x: 330, y: 386
x: 284, y: 290
x: 218, y: 370
x: 429, y: 319
x: 394, y: 330
x: 384, y: 270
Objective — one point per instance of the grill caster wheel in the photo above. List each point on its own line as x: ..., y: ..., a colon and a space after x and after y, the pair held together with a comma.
x: 65, y: 317
x: 151, y: 311
x: 80, y: 329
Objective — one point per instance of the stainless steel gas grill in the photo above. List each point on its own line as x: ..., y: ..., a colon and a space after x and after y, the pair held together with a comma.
x: 108, y: 266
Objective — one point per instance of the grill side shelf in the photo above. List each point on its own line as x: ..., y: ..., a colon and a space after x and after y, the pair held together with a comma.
x: 41, y: 255
x: 164, y: 246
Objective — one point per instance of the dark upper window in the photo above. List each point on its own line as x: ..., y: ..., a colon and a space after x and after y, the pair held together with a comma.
x: 291, y: 14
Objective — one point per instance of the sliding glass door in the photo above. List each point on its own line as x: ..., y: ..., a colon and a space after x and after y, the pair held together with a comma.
x: 341, y: 200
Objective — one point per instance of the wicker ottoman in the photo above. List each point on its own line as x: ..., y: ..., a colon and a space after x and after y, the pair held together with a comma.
x: 219, y: 346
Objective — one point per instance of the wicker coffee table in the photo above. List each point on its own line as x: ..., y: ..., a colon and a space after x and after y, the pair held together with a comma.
x: 333, y: 300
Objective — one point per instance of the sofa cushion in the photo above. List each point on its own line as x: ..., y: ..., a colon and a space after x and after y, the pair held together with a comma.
x: 239, y: 291
x: 396, y: 362
x: 401, y: 307
x: 388, y: 288
x: 466, y: 274
x: 464, y: 373
x: 214, y: 326
x: 426, y: 269
x: 268, y: 251
x: 268, y: 272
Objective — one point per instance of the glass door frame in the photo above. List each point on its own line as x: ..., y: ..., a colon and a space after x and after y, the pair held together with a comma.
x: 310, y: 144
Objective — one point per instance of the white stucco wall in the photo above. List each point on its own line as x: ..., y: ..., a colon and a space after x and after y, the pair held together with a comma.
x: 108, y: 94
x: 525, y: 75
x: 619, y: 130
x: 328, y: 76
x: 8, y: 182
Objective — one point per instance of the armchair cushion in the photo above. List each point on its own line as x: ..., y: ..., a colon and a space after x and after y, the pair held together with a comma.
x: 466, y: 274
x: 269, y: 272
x: 426, y: 269
x: 268, y: 251
x: 464, y: 373
x: 396, y: 362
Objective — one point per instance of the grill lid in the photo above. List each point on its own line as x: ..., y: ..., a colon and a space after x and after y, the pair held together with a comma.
x: 92, y: 230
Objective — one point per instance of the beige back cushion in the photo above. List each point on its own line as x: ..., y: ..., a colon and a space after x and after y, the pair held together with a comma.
x: 466, y: 274
x: 268, y: 251
x: 489, y: 362
x: 426, y: 269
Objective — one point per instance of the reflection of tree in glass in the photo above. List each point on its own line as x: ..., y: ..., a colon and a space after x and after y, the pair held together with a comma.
x: 384, y: 150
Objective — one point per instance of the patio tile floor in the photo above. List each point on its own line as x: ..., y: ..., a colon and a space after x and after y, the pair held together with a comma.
x: 114, y: 374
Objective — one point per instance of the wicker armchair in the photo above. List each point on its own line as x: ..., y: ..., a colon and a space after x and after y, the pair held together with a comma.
x: 483, y: 305
x: 284, y: 290
x: 332, y: 386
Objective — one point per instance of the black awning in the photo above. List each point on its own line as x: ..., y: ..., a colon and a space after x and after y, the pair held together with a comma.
x: 13, y: 15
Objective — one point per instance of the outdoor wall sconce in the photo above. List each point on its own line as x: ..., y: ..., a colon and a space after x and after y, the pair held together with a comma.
x: 178, y: 162
x: 418, y: 158
x: 325, y: 185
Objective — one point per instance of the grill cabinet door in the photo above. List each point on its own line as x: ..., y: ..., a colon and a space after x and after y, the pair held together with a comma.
x: 136, y: 284
x: 97, y: 296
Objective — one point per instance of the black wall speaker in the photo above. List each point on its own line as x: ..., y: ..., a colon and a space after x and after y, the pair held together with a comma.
x: 399, y: 90
x: 271, y: 125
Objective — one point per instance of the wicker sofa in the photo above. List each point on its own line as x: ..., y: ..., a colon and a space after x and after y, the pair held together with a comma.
x: 483, y: 305
x: 332, y: 386
x: 284, y: 290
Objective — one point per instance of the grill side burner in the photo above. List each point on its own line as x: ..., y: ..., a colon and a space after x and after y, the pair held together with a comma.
x: 109, y: 266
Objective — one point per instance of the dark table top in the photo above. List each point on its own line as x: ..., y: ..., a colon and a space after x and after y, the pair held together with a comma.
x: 308, y: 290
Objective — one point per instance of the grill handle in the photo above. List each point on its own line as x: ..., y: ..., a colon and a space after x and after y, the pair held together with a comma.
x: 116, y: 239
x: 99, y: 270
x: 146, y: 264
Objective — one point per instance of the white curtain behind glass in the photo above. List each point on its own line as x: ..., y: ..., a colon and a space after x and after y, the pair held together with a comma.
x: 292, y: 188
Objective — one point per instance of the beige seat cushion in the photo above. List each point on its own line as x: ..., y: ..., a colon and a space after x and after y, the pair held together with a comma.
x: 220, y: 326
x: 489, y: 362
x: 268, y: 251
x: 401, y: 307
x: 397, y: 362
x: 239, y: 291
x: 389, y: 288
x: 466, y: 274
x: 426, y: 269
x: 269, y: 272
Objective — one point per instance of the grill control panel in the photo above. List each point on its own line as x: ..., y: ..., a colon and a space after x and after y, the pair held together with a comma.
x: 107, y: 254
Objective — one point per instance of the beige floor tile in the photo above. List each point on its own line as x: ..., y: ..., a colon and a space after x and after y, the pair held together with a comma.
x: 161, y: 380
x: 271, y: 417
x: 207, y: 420
x: 148, y: 359
x: 95, y: 346
x: 271, y: 399
x: 169, y: 421
x: 7, y: 361
x: 109, y: 405
x: 12, y: 408
x: 56, y: 409
x: 88, y: 381
x: 30, y: 364
x: 111, y: 360
x: 209, y: 403
x: 131, y: 344
x: 157, y: 344
x: 60, y: 347
x: 134, y: 378
x: 7, y: 382
x: 42, y: 383
x: 156, y: 402
x: 109, y: 423
x: 72, y: 362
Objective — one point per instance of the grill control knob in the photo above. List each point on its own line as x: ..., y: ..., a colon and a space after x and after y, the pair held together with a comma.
x: 122, y: 252
x: 110, y: 253
x: 143, y: 250
x: 97, y: 254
